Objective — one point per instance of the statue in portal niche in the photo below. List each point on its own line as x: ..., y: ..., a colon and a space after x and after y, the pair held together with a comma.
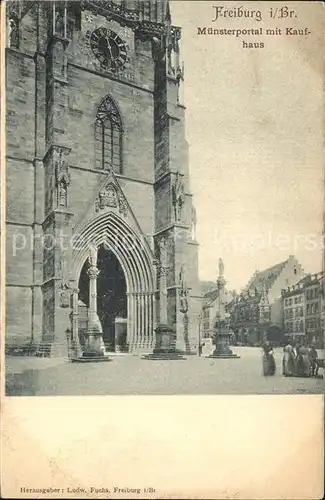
x: 93, y: 253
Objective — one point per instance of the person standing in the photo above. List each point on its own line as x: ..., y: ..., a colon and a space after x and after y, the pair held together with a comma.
x: 303, y: 364
x: 269, y: 366
x: 289, y: 366
x: 313, y: 355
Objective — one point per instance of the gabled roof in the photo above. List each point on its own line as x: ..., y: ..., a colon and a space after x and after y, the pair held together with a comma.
x: 304, y: 280
x: 211, y: 296
x: 207, y: 287
x: 266, y: 277
x: 298, y: 288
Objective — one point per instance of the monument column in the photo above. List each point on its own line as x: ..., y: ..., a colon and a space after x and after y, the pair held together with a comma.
x: 94, y: 345
x: 165, y: 347
x: 163, y: 268
x: 221, y: 328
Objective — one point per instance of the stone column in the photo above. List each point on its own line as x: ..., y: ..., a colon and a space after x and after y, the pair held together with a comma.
x: 165, y: 346
x: 221, y: 327
x: 163, y: 294
x: 76, y: 348
x: 94, y: 344
x: 163, y: 331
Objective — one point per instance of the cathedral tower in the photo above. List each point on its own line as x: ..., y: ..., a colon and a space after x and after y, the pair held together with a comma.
x: 97, y: 157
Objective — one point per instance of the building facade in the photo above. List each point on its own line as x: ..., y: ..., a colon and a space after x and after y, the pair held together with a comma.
x: 314, y: 300
x: 250, y: 317
x: 96, y: 158
x: 257, y: 312
x: 303, y: 310
x: 294, y: 314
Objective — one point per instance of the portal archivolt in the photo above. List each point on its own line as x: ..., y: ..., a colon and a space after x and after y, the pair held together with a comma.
x: 136, y: 261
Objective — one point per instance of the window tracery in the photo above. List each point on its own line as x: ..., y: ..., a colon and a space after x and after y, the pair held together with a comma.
x: 108, y: 137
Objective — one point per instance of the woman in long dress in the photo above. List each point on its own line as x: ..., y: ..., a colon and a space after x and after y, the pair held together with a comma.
x: 289, y: 364
x: 268, y: 360
x: 303, y: 362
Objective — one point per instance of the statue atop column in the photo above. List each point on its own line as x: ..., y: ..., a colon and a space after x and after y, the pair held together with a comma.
x: 92, y: 259
x: 94, y: 348
x: 222, y: 331
x: 221, y: 271
x: 221, y: 268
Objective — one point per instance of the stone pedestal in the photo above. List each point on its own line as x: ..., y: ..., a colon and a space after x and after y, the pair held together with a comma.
x: 94, y: 348
x: 221, y: 329
x: 222, y: 345
x: 94, y: 343
x: 164, y: 340
x: 165, y: 347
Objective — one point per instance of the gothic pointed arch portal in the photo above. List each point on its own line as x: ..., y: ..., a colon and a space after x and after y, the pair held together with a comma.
x: 135, y: 263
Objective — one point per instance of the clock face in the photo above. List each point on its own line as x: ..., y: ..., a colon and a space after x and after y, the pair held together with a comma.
x: 108, y: 48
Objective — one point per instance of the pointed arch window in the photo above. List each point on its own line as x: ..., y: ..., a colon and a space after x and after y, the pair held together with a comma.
x: 108, y: 137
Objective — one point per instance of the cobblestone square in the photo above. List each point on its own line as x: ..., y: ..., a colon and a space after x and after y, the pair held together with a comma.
x: 127, y: 374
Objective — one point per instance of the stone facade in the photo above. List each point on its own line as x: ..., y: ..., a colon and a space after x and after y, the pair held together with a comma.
x: 303, y: 310
x: 258, y: 312
x: 314, y: 300
x: 73, y: 180
x: 294, y: 310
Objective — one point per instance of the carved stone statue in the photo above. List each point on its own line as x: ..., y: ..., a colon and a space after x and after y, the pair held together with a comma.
x: 62, y: 177
x: 59, y: 60
x: 163, y: 252
x: 221, y: 268
x: 178, y: 196
x: 122, y: 205
x: 179, y: 74
x: 63, y: 192
x: 180, y: 84
x: 92, y: 259
x: 59, y: 23
x: 183, y: 291
x: 108, y: 197
x: 193, y: 223
x: 65, y: 289
x: 13, y: 33
x: 112, y: 197
x: 172, y: 46
x: 183, y: 304
x: 182, y: 280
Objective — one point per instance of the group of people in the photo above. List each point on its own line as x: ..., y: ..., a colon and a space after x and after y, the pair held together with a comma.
x: 298, y: 360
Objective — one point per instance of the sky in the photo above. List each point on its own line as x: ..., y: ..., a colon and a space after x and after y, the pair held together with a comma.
x: 254, y: 127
